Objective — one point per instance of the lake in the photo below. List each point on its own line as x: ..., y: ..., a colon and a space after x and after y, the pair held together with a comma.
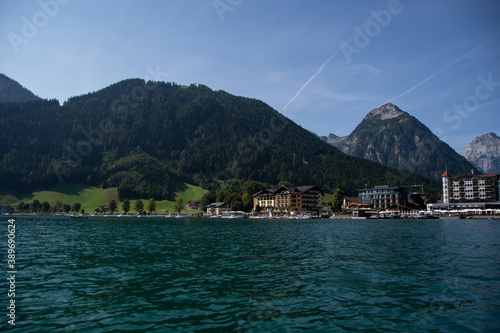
x: 216, y: 275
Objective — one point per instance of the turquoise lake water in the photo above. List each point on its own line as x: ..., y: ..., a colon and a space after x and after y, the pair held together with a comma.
x: 202, y: 275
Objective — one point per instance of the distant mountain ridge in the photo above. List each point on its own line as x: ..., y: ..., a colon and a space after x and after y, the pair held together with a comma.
x: 484, y: 153
x: 394, y: 138
x: 138, y: 136
x: 12, y: 91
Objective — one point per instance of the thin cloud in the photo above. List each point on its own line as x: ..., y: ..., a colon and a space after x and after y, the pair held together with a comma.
x: 311, y: 79
x: 366, y: 68
x: 443, y: 69
x: 328, y: 60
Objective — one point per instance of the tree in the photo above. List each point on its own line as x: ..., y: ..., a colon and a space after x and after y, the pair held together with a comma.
x: 207, y: 199
x: 338, y: 200
x: 285, y: 183
x: 247, y: 200
x: 76, y: 206
x: 151, y: 205
x: 251, y: 187
x: 20, y: 206
x: 126, y: 206
x: 58, y: 207
x: 45, y: 206
x: 139, y: 205
x: 36, y: 205
x: 67, y: 208
x: 231, y: 194
x: 178, y: 205
x: 113, y: 206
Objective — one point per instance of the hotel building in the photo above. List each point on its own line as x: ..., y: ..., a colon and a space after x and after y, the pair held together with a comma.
x: 383, y: 197
x: 295, y: 199
x: 470, y: 188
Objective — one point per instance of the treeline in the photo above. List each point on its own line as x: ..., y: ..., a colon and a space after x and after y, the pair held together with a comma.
x: 140, y: 136
x: 45, y: 207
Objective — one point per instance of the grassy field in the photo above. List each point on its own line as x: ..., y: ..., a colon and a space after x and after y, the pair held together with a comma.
x: 93, y: 197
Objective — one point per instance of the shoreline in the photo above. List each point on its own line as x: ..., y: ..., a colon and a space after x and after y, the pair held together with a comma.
x: 254, y: 217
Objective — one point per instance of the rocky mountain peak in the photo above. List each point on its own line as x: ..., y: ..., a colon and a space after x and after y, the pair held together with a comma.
x: 386, y: 111
x: 404, y: 144
x: 488, y: 137
x: 484, y: 153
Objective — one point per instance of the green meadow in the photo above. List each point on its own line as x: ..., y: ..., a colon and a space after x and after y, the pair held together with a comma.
x: 93, y: 197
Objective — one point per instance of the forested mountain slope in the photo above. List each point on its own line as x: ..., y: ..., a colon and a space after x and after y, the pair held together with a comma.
x: 12, y: 91
x: 136, y: 135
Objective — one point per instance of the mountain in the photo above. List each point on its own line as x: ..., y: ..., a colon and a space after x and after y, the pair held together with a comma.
x: 333, y: 140
x: 484, y: 153
x: 139, y: 136
x: 394, y: 138
x: 11, y: 91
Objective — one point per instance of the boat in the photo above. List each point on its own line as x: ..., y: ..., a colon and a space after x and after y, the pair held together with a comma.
x: 233, y: 215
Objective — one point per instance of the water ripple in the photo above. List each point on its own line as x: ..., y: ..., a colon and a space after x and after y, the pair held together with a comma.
x: 108, y: 275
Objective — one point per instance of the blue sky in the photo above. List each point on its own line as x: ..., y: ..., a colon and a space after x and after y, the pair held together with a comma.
x: 324, y: 64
